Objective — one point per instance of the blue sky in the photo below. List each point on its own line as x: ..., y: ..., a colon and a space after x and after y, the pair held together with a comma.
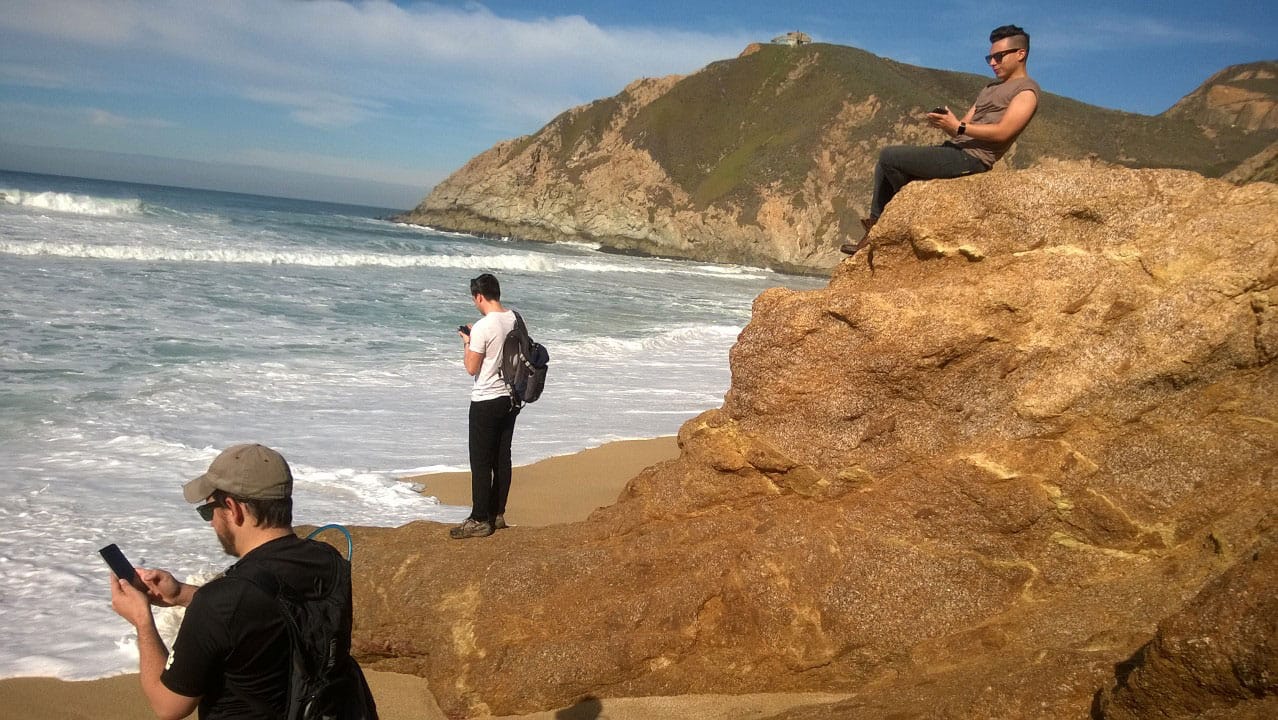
x: 374, y: 102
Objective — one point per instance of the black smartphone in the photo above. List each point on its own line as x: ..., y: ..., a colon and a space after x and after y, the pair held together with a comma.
x: 120, y: 565
x: 463, y: 329
x: 939, y: 109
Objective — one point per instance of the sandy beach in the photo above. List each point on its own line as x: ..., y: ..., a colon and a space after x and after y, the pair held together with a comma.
x: 555, y: 490
x: 562, y: 489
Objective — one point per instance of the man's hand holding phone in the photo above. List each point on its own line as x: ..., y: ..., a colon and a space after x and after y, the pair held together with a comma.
x: 135, y: 590
x: 163, y: 589
x: 939, y: 117
x: 128, y: 594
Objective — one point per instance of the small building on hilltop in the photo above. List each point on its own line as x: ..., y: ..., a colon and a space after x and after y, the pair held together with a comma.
x: 792, y: 39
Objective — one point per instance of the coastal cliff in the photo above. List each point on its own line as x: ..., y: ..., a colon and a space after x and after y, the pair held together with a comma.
x: 1014, y: 461
x: 767, y: 159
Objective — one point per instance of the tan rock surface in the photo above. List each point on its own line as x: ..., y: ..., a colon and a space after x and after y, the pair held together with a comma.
x: 1216, y: 658
x: 974, y: 472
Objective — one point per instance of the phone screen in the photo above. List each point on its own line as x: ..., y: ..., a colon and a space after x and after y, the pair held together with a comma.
x: 120, y: 565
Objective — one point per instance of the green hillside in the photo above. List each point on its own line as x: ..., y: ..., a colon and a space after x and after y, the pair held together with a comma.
x: 767, y: 159
x: 758, y: 119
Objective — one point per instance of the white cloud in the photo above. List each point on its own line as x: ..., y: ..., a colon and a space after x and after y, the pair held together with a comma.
x: 103, y: 118
x: 30, y: 76
x: 78, y: 116
x: 319, y: 164
x: 343, y: 63
x: 1112, y: 31
x: 317, y: 109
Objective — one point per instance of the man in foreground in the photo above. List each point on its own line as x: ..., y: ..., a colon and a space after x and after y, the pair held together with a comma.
x: 232, y: 654
x: 492, y: 411
x: 1001, y: 111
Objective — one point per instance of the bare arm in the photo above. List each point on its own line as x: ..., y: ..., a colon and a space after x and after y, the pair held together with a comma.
x: 471, y: 359
x: 132, y: 605
x: 1014, y: 120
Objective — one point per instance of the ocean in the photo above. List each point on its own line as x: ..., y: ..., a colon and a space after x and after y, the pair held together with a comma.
x: 145, y: 328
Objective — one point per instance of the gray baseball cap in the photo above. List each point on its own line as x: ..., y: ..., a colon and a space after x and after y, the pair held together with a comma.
x: 251, y: 472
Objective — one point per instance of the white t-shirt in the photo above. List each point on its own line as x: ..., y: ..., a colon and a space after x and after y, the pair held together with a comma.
x: 487, y: 337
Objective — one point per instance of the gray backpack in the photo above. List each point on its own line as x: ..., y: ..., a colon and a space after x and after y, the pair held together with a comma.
x: 523, y: 364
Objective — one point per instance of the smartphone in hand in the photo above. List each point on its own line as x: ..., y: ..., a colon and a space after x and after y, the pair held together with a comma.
x: 940, y: 110
x: 120, y: 565
x: 463, y: 329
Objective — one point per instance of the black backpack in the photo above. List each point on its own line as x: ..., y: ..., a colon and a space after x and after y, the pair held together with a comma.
x: 523, y: 364
x: 325, y: 682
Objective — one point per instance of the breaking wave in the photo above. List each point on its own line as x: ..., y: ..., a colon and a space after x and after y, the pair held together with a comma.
x: 531, y: 262
x: 72, y: 204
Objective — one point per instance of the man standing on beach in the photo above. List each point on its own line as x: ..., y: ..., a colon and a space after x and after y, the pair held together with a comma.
x: 232, y: 656
x: 492, y: 411
x: 1001, y: 111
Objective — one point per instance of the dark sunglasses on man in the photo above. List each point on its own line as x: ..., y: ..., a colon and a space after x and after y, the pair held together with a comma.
x: 206, y: 510
x: 998, y: 56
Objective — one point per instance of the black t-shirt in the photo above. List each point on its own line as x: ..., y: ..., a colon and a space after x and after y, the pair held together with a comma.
x: 232, y: 650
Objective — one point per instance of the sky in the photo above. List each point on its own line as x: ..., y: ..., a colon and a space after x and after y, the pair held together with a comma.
x: 373, y: 102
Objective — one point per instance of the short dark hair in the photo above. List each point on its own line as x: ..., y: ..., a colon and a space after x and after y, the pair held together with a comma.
x: 1009, y: 31
x: 487, y: 286
x: 277, y: 513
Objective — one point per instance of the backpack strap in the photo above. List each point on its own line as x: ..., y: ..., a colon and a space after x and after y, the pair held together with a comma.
x: 520, y: 331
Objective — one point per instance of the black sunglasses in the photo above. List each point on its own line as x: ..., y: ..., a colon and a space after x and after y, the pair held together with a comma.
x: 998, y: 56
x: 206, y: 510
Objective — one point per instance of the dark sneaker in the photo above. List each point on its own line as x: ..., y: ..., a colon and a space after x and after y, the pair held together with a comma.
x: 471, y: 528
x: 499, y: 523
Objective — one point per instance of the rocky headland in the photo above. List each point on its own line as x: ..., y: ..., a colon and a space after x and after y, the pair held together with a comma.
x: 766, y: 159
x: 1019, y: 460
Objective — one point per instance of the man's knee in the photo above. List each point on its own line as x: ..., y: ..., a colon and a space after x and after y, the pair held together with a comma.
x: 892, y: 155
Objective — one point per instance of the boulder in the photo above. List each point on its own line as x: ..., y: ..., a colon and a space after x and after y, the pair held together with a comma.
x: 1218, y: 657
x: 975, y: 471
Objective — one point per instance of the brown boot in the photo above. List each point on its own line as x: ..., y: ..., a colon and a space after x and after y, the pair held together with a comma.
x: 852, y: 248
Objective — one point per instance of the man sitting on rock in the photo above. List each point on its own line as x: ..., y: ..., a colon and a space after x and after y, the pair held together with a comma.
x: 978, y: 140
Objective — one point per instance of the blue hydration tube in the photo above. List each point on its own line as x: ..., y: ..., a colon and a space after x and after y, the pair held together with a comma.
x: 350, y: 544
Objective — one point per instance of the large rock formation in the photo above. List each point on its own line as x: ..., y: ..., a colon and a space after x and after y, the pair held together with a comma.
x: 975, y: 472
x: 767, y: 159
x: 1216, y: 658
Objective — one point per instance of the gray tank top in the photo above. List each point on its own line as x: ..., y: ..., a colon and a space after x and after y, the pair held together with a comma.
x: 990, y: 105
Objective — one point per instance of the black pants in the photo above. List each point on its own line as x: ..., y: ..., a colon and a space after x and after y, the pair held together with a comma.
x: 492, y: 427
x: 899, y: 164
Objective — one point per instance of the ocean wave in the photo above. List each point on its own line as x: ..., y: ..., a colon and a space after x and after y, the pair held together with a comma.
x: 530, y: 262
x: 72, y: 204
x: 603, y: 348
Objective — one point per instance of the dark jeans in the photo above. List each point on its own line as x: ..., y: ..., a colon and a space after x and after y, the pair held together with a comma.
x: 899, y: 164
x: 492, y: 427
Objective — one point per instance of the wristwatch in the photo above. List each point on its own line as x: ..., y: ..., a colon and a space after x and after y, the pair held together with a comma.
x: 961, y: 129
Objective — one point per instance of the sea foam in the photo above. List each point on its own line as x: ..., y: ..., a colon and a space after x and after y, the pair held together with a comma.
x: 142, y: 337
x: 518, y: 262
x: 72, y: 204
